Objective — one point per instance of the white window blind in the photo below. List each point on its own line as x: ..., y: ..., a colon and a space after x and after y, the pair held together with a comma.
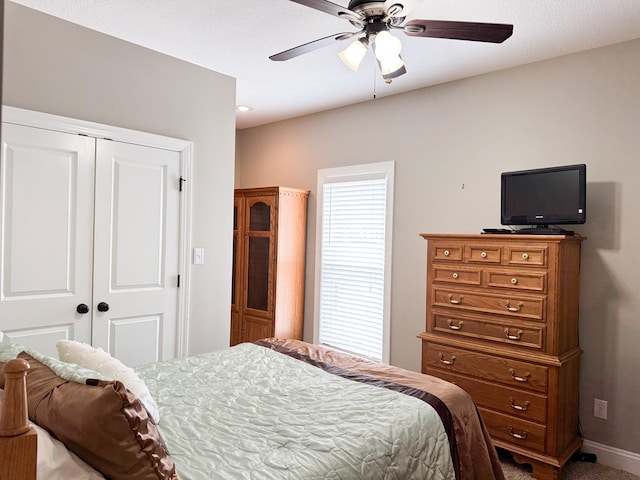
x: 353, y: 291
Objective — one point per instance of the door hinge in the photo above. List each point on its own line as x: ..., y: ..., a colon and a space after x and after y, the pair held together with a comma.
x: 178, y: 281
x: 182, y: 180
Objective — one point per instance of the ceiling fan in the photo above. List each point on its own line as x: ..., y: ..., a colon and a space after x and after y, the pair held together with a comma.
x: 376, y: 19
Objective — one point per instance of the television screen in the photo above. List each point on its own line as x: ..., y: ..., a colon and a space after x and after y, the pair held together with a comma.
x: 544, y: 196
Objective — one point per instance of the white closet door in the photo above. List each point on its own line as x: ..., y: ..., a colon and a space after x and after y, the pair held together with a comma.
x: 46, y: 221
x: 136, y: 251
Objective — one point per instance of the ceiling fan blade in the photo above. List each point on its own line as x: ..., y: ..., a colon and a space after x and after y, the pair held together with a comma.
x: 310, y: 46
x: 328, y: 7
x: 476, y: 32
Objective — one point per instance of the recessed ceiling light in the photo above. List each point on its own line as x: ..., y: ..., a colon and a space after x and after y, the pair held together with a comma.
x: 243, y: 108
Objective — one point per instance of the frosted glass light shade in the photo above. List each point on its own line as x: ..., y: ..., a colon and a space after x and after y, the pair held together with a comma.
x: 387, y: 49
x: 353, y: 54
x: 387, y: 46
x: 390, y: 65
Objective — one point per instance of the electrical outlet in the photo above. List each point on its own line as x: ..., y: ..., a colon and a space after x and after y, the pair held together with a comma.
x: 600, y: 408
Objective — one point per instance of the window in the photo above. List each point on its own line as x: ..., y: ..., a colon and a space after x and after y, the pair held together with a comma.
x: 353, y: 259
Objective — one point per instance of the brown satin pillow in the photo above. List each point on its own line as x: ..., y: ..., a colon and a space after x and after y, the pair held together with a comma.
x: 103, y: 423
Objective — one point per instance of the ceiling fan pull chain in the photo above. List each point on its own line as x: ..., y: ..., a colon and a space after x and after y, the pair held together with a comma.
x: 375, y: 75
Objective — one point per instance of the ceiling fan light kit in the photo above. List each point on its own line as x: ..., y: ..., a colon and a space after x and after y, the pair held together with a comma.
x: 386, y: 48
x: 375, y: 20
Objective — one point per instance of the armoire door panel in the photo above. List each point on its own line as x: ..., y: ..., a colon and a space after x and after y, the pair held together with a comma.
x: 47, y: 233
x: 234, y: 275
x: 259, y: 256
x: 258, y: 272
x: 237, y: 257
x: 260, y: 217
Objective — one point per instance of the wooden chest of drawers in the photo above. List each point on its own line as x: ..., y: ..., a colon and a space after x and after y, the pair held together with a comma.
x: 502, y: 323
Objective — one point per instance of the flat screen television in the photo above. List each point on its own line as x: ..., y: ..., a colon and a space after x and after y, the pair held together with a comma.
x: 543, y: 197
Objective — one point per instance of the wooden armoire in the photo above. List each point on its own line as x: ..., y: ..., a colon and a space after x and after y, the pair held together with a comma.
x: 269, y: 239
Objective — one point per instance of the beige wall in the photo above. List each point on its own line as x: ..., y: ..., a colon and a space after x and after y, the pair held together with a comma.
x: 60, y: 68
x: 450, y: 144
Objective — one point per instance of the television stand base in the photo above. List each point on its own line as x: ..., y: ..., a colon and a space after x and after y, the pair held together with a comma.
x: 544, y: 231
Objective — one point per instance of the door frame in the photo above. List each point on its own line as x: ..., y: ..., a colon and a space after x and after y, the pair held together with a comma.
x: 30, y: 118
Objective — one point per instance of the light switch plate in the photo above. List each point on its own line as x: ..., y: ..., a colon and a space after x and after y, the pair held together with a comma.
x: 198, y: 256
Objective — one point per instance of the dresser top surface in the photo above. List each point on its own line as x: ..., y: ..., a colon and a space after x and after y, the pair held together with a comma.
x: 502, y: 237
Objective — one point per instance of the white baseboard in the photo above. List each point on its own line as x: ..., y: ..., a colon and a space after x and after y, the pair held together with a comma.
x: 613, y: 457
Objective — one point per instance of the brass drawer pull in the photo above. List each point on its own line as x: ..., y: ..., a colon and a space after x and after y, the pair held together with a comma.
x: 519, y: 379
x: 519, y: 407
x: 455, y: 275
x: 455, y: 327
x: 525, y: 256
x: 483, y: 254
x: 513, y: 337
x: 519, y: 436
x: 447, y: 362
x: 514, y: 309
x: 455, y: 302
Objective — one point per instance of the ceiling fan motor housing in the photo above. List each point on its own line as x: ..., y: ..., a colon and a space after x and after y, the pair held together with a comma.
x: 374, y: 28
x: 367, y: 8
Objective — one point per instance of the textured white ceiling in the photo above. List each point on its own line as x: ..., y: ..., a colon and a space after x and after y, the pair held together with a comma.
x: 236, y: 37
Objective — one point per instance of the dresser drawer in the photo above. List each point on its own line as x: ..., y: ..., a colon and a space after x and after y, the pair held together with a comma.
x: 494, y: 330
x: 513, y: 401
x: 447, y: 252
x: 528, y: 307
x: 515, y: 431
x: 484, y: 253
x: 513, y: 373
x: 526, y: 255
x: 517, y: 280
x: 457, y: 275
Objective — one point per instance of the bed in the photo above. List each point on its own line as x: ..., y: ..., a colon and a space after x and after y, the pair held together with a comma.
x: 271, y: 409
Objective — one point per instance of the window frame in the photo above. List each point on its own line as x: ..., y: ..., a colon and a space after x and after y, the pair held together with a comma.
x: 367, y: 171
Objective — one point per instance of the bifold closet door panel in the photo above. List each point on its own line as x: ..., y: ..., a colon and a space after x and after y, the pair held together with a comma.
x: 136, y: 251
x: 46, y: 221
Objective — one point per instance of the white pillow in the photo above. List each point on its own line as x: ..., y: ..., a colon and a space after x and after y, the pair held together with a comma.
x: 97, y: 359
x: 55, y: 462
x: 69, y: 371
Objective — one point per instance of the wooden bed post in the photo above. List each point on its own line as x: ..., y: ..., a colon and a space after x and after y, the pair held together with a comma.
x: 18, y: 441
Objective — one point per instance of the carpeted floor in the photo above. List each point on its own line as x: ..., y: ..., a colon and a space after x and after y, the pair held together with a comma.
x: 573, y: 471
